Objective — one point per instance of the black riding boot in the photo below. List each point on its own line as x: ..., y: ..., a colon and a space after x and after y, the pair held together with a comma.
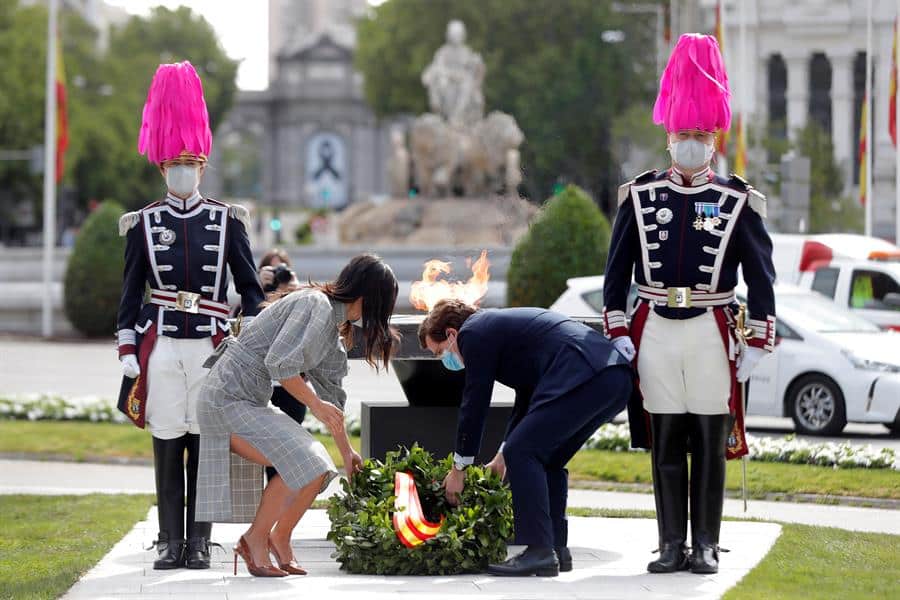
x: 708, y: 438
x: 196, y: 554
x: 670, y: 488
x: 168, y: 459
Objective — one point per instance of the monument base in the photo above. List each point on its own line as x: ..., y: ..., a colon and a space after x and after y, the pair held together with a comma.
x: 387, y: 425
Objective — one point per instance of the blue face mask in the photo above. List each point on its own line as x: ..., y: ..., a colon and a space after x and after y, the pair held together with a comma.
x: 452, y: 361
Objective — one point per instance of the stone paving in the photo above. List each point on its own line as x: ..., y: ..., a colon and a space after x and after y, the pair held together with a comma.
x: 610, y: 562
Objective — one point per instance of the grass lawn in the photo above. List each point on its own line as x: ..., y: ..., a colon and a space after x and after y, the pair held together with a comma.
x: 48, y: 542
x: 83, y: 441
x: 810, y: 563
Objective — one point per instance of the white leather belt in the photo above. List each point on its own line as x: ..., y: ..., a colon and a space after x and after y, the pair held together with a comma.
x: 189, y: 302
x: 685, y: 297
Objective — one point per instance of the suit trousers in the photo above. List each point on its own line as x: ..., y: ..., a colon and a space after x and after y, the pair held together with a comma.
x: 548, y: 436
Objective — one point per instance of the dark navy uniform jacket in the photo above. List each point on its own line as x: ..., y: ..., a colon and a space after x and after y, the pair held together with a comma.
x: 541, y: 354
x: 672, y: 232
x: 180, y: 245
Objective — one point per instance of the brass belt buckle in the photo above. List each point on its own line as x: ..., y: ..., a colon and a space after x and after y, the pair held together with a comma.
x: 188, y: 302
x: 679, y: 297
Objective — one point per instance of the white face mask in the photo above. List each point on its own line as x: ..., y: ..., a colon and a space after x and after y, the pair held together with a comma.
x: 183, y: 180
x: 691, y: 154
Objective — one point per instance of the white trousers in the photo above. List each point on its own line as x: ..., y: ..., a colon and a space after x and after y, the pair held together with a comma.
x: 683, y: 366
x: 175, y: 376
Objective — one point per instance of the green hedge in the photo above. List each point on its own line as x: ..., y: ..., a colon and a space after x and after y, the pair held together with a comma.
x: 569, y: 238
x: 473, y: 535
x: 93, y: 283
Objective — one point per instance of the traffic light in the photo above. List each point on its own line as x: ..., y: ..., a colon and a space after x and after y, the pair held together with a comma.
x: 275, y: 224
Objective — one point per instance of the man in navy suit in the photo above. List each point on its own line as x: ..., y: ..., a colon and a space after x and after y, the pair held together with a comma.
x: 569, y: 380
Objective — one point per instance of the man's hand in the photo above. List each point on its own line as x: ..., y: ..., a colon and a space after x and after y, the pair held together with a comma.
x: 747, y: 361
x: 454, y: 483
x: 267, y: 276
x: 498, y: 465
x: 352, y: 463
x: 130, y: 366
x: 329, y: 414
x: 625, y: 347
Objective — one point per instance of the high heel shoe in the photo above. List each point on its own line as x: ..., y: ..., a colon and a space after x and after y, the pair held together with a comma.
x: 291, y: 567
x: 243, y: 550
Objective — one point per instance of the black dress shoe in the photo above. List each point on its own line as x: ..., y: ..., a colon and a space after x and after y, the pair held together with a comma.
x: 705, y: 559
x: 564, y: 556
x: 171, y: 555
x: 671, y: 558
x: 196, y: 555
x: 534, y: 560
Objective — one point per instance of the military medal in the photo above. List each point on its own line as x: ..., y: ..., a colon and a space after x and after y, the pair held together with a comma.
x: 664, y: 216
x: 167, y: 237
x: 707, y: 216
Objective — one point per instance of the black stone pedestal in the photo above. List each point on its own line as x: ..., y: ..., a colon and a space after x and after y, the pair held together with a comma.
x: 387, y: 425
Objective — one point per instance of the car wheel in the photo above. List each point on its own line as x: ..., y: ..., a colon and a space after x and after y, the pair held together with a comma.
x: 817, y: 406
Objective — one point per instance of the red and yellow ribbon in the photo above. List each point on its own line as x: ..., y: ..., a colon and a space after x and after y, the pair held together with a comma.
x: 409, y: 519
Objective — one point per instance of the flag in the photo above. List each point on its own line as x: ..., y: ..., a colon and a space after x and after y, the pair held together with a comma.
x: 863, y: 149
x: 722, y: 139
x: 62, y: 120
x: 740, y: 151
x: 410, y: 525
x: 892, y: 107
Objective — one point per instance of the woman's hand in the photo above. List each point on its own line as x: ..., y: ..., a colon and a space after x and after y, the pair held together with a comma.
x: 352, y: 462
x: 329, y: 414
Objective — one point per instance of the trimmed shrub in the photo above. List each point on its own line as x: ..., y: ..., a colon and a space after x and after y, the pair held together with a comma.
x: 568, y: 238
x: 473, y: 534
x: 93, y: 282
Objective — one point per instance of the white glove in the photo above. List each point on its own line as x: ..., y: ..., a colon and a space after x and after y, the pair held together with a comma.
x: 625, y: 347
x: 130, y: 366
x: 747, y: 360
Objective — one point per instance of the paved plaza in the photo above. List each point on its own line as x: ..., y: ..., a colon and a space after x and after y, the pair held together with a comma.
x: 610, y: 562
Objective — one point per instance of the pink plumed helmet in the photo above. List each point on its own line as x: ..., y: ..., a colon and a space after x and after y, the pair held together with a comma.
x: 175, y: 121
x: 693, y: 90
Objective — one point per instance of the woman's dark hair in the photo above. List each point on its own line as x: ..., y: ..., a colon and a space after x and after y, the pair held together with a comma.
x: 368, y: 277
x: 266, y: 260
x: 445, y: 314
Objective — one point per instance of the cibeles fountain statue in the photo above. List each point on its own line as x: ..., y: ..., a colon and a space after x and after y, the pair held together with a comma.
x: 464, y: 166
x: 455, y: 147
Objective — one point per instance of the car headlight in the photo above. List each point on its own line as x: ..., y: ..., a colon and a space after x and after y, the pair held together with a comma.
x: 870, y: 365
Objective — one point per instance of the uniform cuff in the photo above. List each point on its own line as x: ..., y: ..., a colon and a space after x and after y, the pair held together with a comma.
x: 614, y: 323
x: 127, y: 342
x: 763, y: 333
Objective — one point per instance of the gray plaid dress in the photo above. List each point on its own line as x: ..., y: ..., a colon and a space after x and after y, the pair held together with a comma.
x: 297, y: 334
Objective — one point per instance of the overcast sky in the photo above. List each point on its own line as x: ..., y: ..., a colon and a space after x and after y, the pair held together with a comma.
x: 242, y: 32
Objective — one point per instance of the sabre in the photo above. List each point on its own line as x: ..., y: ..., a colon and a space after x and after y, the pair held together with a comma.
x: 742, y: 332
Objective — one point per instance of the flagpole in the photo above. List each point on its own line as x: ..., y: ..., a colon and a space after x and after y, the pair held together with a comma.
x: 897, y: 148
x: 868, y: 124
x: 49, y: 172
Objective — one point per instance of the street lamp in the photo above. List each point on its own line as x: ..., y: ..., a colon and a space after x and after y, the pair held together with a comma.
x: 645, y: 8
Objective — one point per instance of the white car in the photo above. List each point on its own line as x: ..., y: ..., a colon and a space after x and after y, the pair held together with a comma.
x: 829, y: 366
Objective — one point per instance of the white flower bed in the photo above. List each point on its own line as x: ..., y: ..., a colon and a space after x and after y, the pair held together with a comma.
x: 788, y: 449
x: 616, y: 438
x: 46, y: 407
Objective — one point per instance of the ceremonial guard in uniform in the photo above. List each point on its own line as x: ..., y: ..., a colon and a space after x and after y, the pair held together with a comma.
x: 180, y: 248
x: 681, y: 234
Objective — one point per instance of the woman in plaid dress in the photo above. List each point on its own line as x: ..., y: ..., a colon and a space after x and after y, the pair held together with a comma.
x: 300, y: 333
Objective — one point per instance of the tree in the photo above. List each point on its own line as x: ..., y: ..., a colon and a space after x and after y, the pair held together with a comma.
x: 569, y: 238
x: 546, y: 65
x: 829, y: 209
x: 105, y: 91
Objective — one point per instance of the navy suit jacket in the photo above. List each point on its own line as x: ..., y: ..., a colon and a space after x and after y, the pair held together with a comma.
x: 541, y: 354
